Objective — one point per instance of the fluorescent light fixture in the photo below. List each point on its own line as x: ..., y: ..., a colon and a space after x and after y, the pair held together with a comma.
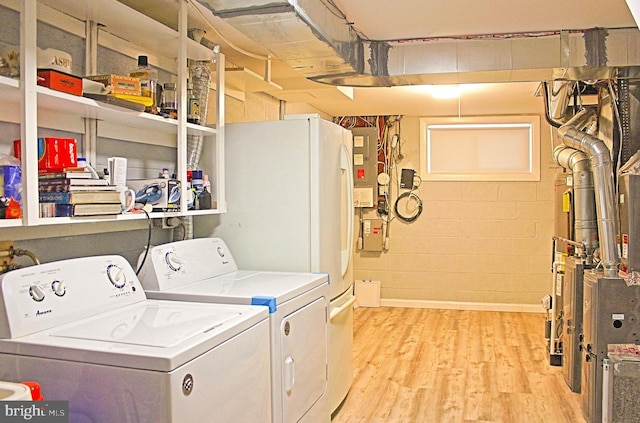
x: 444, y: 92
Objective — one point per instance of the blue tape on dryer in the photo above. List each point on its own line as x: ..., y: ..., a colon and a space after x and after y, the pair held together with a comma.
x: 265, y: 301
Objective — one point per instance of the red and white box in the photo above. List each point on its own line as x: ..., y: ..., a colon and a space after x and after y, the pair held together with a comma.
x: 54, y: 154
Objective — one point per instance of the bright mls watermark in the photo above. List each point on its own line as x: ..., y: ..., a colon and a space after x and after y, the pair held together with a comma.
x: 34, y: 411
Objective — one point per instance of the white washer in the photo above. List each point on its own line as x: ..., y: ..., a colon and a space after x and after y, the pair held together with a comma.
x: 204, y: 270
x: 85, y: 330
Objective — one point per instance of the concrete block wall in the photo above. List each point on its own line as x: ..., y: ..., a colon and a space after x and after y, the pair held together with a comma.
x: 487, y: 244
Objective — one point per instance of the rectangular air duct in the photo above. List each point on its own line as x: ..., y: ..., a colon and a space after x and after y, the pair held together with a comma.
x: 315, y: 38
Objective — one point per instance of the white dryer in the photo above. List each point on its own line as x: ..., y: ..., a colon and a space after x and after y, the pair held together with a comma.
x: 85, y: 330
x: 204, y: 270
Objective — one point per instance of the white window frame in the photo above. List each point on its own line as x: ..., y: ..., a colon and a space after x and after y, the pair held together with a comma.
x: 433, y: 145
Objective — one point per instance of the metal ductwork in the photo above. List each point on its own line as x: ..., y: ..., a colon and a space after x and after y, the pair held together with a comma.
x: 557, y: 95
x: 305, y: 34
x: 585, y: 218
x: 605, y: 198
x: 316, y: 39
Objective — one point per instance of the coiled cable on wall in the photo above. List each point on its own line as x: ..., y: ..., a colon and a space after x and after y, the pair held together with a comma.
x: 418, y: 211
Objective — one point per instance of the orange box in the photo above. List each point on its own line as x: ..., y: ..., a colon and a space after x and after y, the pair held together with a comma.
x: 60, y: 81
x: 119, y: 84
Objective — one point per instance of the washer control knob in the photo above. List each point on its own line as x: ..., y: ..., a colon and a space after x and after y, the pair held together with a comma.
x: 36, y: 293
x: 173, y: 261
x: 116, y: 276
x: 59, y: 288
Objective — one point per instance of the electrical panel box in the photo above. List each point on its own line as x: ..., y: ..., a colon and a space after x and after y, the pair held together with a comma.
x: 372, y: 239
x: 365, y: 164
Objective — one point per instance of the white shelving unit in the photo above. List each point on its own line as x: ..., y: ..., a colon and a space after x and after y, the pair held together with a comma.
x: 112, y: 24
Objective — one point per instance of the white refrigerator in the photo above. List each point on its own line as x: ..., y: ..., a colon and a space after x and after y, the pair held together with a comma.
x: 289, y: 190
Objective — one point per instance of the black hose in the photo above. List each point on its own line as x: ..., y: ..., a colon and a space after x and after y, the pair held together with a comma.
x: 408, y: 219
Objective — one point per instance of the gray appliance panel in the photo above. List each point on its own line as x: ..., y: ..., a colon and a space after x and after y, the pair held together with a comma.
x: 572, y: 316
x: 629, y: 208
x: 610, y: 316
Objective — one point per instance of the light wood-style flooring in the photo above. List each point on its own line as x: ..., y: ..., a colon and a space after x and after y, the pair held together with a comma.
x: 437, y: 366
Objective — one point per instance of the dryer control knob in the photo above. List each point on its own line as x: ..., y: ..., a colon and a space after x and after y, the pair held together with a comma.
x: 36, y: 293
x: 59, y: 288
x: 173, y: 261
x: 116, y: 276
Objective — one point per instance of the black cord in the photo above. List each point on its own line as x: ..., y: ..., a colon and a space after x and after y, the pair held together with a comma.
x: 146, y: 250
x: 408, y: 219
x: 184, y: 231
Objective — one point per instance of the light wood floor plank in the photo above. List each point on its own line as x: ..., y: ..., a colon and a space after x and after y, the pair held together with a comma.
x: 440, y: 366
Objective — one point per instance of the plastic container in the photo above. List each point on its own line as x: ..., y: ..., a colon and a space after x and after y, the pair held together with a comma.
x: 193, y: 105
x: 169, y: 104
x: 36, y: 393
x: 10, y: 391
x: 206, y: 183
x: 204, y: 200
x: 200, y: 76
x: 197, y: 181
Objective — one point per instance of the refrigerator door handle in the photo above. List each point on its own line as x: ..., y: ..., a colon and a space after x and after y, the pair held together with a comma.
x: 338, y: 311
x: 346, y: 167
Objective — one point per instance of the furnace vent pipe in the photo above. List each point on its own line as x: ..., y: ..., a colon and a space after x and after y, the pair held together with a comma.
x: 602, y: 169
x: 585, y: 220
x: 557, y: 95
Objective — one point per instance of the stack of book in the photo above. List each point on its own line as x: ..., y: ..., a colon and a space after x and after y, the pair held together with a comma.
x: 74, y: 192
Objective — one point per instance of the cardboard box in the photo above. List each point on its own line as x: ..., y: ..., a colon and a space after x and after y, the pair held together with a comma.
x: 161, y: 193
x: 118, y: 84
x: 60, y: 81
x: 54, y: 154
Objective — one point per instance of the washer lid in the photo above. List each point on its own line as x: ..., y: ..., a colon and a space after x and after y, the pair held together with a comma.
x: 246, y: 287
x: 152, y: 324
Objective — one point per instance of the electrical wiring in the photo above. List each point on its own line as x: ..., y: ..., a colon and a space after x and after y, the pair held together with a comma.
x: 409, y: 196
x: 146, y: 250
x: 418, y: 211
x: 614, y: 106
x: 334, y: 9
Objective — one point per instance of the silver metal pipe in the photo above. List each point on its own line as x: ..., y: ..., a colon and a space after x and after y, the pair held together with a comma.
x: 559, y: 98
x: 585, y: 217
x: 605, y: 198
x: 576, y: 244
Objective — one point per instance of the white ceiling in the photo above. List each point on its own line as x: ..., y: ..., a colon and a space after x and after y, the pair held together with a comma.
x: 439, y: 18
x: 406, y: 19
